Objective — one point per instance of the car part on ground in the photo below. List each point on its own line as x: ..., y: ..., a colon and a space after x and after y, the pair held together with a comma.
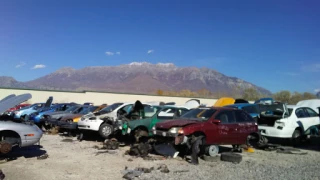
x: 5, y: 147
x: 112, y: 144
x: 139, y: 150
x: 231, y: 157
x: 2, y: 176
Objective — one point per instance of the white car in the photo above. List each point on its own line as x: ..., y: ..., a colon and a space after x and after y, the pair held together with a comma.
x: 104, y: 121
x: 287, y: 121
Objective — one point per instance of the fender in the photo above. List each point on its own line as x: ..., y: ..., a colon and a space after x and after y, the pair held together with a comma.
x: 301, y: 126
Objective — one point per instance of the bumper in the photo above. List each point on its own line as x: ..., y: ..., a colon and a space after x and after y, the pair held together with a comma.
x: 164, y: 133
x: 67, y: 125
x: 285, y: 132
x: 89, y: 125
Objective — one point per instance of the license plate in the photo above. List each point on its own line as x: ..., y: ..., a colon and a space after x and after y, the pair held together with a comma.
x: 164, y: 133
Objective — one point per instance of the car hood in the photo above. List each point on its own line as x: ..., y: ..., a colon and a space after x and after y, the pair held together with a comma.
x: 176, y: 123
x: 10, y: 125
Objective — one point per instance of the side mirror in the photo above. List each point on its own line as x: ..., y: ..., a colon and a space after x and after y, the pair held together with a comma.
x: 216, y: 121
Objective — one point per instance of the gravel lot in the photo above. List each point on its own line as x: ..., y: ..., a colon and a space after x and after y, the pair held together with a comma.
x: 78, y: 160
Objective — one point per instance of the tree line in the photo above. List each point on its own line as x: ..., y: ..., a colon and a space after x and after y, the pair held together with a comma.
x: 250, y: 94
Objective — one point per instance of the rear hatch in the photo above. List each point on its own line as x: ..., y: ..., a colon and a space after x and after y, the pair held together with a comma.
x: 269, y: 113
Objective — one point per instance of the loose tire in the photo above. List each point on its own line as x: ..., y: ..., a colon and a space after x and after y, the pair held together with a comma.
x: 212, y: 150
x: 105, y: 130
x: 231, y: 157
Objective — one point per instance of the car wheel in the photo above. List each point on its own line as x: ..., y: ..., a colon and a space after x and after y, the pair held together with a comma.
x: 105, y: 130
x: 252, y: 140
x: 296, y: 137
x: 231, y: 157
x: 212, y: 150
x: 139, y: 133
x: 5, y: 147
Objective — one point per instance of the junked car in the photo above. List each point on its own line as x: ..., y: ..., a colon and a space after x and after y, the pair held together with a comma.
x: 17, y: 107
x: 105, y: 122
x: 286, y: 121
x: 37, y: 117
x: 143, y: 127
x: 211, y: 126
x: 20, y: 134
x: 26, y: 111
x: 70, y: 122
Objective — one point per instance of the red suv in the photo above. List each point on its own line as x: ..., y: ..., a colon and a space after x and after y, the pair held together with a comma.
x: 214, y: 126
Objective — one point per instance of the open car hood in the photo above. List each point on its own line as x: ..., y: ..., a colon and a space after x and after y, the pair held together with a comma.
x: 192, y: 103
x: 224, y: 101
x: 8, y: 97
x: 13, y: 101
x: 176, y: 123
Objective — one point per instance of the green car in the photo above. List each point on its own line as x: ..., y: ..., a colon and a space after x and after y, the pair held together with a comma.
x: 143, y: 127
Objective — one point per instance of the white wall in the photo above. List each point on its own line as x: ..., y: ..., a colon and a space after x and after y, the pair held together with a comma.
x: 96, y: 97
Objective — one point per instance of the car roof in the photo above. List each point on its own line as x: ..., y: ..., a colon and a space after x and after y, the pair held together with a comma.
x: 241, y: 105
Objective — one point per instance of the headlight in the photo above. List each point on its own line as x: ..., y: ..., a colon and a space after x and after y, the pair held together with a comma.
x: 176, y: 130
x: 154, y: 128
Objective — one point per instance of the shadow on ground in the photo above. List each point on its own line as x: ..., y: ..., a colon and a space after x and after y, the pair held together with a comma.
x: 26, y: 152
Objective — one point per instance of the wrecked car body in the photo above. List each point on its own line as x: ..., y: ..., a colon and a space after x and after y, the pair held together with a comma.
x: 143, y: 127
x: 108, y: 120
x: 17, y: 133
x: 286, y: 121
x: 211, y: 126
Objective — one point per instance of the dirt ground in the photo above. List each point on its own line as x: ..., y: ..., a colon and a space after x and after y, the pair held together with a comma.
x: 71, y: 159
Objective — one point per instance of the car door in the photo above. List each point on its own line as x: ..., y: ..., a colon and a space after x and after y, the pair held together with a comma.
x: 227, y: 129
x: 313, y: 117
x: 303, y: 118
x: 246, y: 125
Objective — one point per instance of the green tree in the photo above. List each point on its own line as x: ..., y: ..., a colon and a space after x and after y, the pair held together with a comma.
x: 251, y: 94
x: 282, y: 96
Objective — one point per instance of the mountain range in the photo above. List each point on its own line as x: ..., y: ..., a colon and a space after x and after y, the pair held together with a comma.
x: 136, y: 77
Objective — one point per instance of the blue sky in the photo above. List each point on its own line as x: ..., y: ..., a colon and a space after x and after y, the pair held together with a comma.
x: 274, y: 44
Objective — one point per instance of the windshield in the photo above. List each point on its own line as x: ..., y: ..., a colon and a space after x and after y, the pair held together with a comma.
x: 72, y: 108
x: 110, y: 108
x: 290, y: 111
x: 199, y: 114
x: 251, y: 109
x: 86, y: 110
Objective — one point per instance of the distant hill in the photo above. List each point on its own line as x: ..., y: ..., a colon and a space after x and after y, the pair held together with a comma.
x: 135, y: 78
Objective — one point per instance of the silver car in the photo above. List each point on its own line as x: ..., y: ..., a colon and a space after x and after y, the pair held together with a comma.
x: 14, y: 133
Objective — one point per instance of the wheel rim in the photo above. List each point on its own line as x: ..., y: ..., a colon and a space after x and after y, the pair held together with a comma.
x: 213, y: 150
x: 106, y: 130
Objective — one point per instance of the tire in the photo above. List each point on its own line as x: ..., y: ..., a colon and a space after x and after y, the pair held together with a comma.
x: 105, y: 130
x: 296, y: 137
x: 140, y: 133
x: 252, y: 140
x: 212, y: 150
x: 5, y: 147
x: 231, y: 157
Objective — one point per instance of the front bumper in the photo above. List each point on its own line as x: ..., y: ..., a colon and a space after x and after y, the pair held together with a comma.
x: 68, y: 125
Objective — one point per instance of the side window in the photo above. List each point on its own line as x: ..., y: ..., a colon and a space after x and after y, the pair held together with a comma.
x: 300, y: 113
x: 127, y: 108
x: 243, y: 117
x: 311, y: 112
x: 166, y: 113
x: 226, y: 117
x: 183, y: 111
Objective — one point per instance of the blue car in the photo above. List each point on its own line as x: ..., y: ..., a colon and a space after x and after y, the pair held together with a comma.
x: 252, y: 109
x: 37, y: 116
x: 23, y: 112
